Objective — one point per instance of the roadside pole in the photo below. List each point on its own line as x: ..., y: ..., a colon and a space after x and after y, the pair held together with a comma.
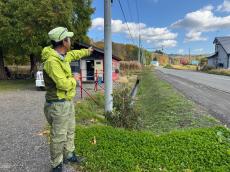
x: 139, y: 49
x: 108, y: 57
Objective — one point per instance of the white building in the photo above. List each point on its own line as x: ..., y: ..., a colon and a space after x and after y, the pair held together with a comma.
x: 93, y: 66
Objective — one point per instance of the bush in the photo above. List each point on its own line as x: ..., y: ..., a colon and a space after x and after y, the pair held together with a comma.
x: 168, y: 66
x: 130, y: 65
x: 124, y: 115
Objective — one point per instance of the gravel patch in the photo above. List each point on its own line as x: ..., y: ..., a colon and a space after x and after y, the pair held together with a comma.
x: 22, y: 147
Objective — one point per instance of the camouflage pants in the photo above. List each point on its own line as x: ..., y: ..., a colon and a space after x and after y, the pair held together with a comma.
x: 61, y: 117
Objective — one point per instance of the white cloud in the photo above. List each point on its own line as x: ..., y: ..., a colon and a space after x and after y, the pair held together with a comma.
x: 200, y: 21
x: 156, y: 36
x: 98, y: 23
x: 165, y: 43
x: 199, y: 50
x: 181, y: 51
x: 225, y: 7
x: 194, y: 36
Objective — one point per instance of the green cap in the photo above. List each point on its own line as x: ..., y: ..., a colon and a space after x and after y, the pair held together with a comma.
x: 59, y: 33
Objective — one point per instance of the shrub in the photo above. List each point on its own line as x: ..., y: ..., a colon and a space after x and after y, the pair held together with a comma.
x: 124, y: 115
x: 130, y: 65
x: 169, y: 66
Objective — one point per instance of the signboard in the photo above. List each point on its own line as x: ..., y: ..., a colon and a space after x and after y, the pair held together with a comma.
x: 195, y: 62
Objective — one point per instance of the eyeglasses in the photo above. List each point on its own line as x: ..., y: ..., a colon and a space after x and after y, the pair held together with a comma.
x: 62, y: 33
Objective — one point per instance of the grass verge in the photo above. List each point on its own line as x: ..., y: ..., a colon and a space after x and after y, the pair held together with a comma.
x: 225, y: 72
x: 181, y: 67
x: 7, y: 85
x: 88, y: 112
x: 130, y: 151
x: 165, y: 109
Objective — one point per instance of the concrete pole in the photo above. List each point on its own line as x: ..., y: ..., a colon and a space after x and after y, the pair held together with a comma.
x: 108, y: 57
x: 139, y: 49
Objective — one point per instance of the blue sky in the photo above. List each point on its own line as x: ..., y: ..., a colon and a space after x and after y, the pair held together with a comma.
x: 175, y: 25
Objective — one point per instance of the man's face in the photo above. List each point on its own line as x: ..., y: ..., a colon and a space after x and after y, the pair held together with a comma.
x: 67, y: 44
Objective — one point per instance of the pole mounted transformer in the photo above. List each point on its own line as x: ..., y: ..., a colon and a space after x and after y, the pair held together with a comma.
x: 108, y: 56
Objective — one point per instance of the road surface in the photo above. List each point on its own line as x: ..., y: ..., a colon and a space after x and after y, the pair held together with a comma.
x: 210, y: 91
x: 22, y: 149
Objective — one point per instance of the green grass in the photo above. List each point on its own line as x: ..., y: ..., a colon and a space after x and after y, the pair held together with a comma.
x: 7, y: 85
x: 88, y: 112
x: 115, y: 150
x: 164, y: 109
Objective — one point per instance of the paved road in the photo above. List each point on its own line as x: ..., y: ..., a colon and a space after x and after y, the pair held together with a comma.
x: 210, y: 91
x: 215, y: 81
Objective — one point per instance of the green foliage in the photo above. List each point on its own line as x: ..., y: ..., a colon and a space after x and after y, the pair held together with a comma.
x: 88, y: 112
x: 164, y: 109
x: 124, y: 115
x: 25, y: 24
x: 120, y: 150
x: 168, y: 66
x: 18, y: 60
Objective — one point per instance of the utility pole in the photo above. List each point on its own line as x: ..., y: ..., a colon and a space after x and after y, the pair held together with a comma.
x: 108, y: 57
x: 143, y: 56
x: 139, y: 49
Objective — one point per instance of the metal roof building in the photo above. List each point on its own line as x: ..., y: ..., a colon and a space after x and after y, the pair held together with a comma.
x: 220, y: 59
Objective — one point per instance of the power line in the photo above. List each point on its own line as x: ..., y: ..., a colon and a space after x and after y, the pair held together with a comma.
x: 126, y: 21
x: 138, y: 15
x: 130, y: 11
x: 131, y: 17
x: 139, y: 37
